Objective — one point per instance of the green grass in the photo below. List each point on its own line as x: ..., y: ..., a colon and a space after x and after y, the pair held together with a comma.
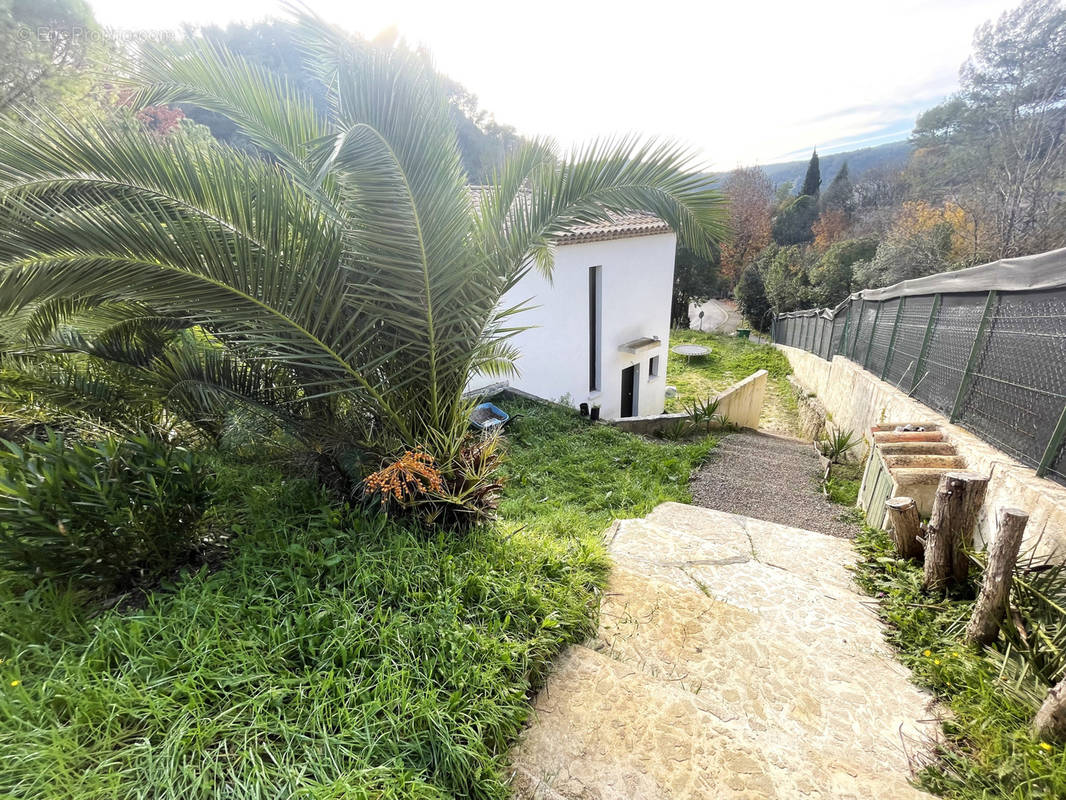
x: 731, y: 360
x: 988, y: 752
x: 335, y: 655
x: 845, y: 481
x: 569, y: 477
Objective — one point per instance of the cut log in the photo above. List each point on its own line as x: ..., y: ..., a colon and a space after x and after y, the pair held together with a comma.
x: 1050, y: 721
x: 991, y: 605
x: 959, y: 497
x: 906, y: 527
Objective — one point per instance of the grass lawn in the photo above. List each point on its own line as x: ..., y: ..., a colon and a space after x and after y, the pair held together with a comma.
x: 335, y: 655
x: 731, y: 360
x: 988, y: 752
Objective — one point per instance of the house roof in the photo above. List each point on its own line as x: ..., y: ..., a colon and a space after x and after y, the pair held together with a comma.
x: 619, y: 225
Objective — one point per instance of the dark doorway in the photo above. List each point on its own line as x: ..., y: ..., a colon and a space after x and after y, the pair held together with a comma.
x: 629, y: 383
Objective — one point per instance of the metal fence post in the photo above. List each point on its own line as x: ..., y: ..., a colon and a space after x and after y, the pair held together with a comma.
x: 1053, y: 446
x: 892, y: 339
x: 925, y: 341
x: 873, y: 332
x: 975, y: 349
x: 858, y: 329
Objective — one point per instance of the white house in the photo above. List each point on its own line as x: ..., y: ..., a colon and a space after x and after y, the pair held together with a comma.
x: 600, y: 328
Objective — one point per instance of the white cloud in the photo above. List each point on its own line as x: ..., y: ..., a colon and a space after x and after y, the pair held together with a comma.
x: 744, y: 82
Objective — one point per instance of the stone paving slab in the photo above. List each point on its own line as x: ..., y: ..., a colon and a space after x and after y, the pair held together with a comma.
x: 734, y: 659
x: 604, y: 732
x: 807, y: 553
x: 827, y: 608
x: 744, y: 670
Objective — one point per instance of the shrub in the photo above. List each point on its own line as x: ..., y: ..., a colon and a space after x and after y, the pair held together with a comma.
x: 104, y: 513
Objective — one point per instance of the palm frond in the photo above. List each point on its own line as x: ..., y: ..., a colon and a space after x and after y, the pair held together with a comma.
x: 341, y: 279
x: 275, y: 115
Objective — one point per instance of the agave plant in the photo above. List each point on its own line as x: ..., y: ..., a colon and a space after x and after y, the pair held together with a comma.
x: 705, y: 412
x: 675, y: 430
x: 837, y: 443
x: 340, y: 277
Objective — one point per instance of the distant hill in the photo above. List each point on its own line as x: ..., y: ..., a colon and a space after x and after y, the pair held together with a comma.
x: 892, y: 154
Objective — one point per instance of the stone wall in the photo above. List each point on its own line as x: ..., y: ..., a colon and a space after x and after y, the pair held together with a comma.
x: 812, y: 414
x: 741, y: 404
x: 856, y: 400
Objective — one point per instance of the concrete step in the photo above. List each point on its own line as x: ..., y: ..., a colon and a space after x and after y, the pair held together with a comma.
x: 604, y: 730
x: 917, y: 449
x: 925, y: 461
x: 753, y: 574
x: 797, y: 549
x: 759, y: 669
x: 892, y: 437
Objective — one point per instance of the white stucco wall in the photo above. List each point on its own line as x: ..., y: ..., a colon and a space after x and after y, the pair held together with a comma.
x: 636, y: 283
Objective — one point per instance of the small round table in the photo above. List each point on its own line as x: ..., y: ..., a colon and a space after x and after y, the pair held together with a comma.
x: 690, y: 351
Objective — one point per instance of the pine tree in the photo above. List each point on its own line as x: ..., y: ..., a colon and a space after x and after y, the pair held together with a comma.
x: 813, y: 180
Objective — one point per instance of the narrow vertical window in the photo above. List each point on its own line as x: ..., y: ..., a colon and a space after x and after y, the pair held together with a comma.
x: 594, y: 329
x: 653, y: 367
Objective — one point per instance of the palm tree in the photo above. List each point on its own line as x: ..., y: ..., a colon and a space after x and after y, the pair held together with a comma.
x: 340, y: 278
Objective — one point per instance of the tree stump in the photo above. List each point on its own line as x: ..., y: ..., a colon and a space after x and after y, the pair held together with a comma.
x: 906, y: 527
x: 1050, y: 720
x: 950, y: 531
x: 991, y: 604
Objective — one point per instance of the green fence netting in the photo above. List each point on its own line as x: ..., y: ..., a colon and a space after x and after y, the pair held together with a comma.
x: 985, y: 346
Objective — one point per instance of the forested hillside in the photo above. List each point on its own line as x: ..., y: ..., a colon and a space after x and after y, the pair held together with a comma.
x: 73, y: 73
x: 985, y: 178
x: 891, y: 155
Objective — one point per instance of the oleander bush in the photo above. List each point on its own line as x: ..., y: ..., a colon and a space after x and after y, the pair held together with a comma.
x: 103, y: 513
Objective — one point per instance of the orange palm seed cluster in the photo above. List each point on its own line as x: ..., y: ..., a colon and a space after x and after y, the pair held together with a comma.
x: 413, y: 473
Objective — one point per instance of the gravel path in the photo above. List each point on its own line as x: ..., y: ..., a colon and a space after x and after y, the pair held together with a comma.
x: 772, y: 478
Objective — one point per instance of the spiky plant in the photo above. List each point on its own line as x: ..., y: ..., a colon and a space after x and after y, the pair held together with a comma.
x: 837, y: 443
x: 705, y: 412
x: 345, y: 259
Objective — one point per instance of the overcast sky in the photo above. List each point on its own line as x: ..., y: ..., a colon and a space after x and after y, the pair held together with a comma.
x: 745, y: 82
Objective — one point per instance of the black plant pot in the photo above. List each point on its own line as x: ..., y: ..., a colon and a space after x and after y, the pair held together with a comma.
x: 594, y: 413
x: 584, y: 409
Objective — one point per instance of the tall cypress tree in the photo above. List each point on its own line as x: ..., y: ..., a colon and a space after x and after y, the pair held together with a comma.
x: 839, y: 195
x: 813, y: 181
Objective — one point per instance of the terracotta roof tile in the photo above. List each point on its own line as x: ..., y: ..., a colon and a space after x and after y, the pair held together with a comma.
x: 619, y: 226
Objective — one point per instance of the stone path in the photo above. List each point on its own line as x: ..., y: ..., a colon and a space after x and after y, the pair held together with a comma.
x: 769, y: 477
x: 734, y: 659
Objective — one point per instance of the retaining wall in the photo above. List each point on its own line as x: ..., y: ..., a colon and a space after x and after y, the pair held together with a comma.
x: 856, y: 400
x: 741, y: 404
